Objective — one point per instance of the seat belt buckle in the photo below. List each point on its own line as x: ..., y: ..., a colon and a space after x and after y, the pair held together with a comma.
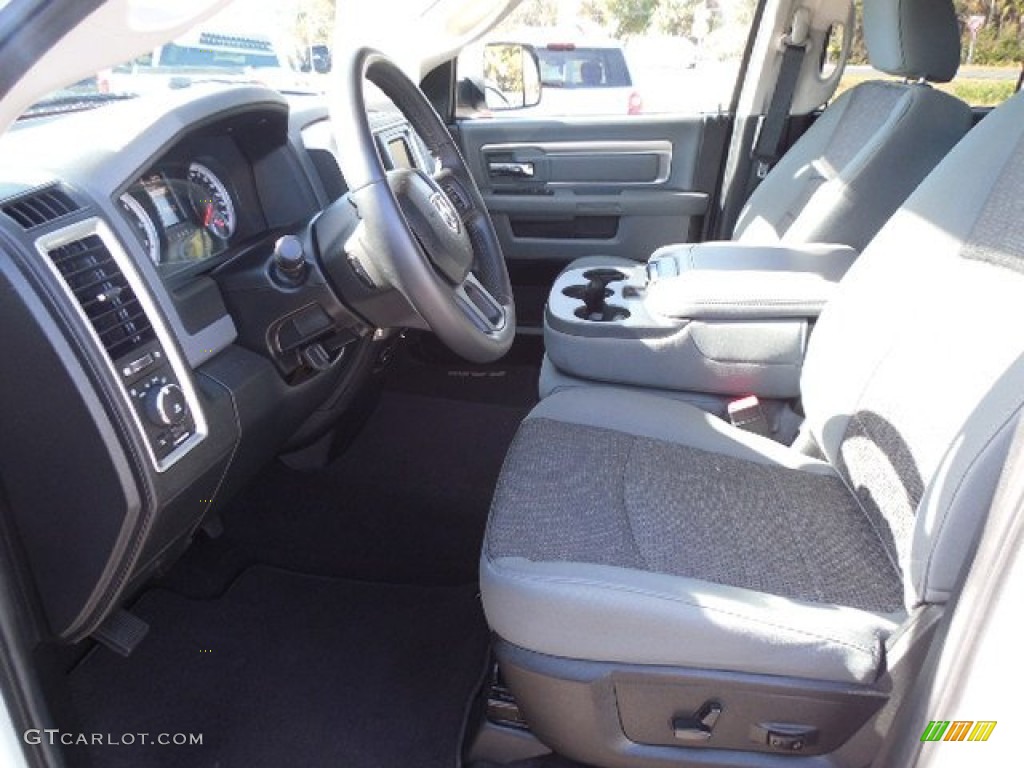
x: 748, y: 415
x: 763, y: 167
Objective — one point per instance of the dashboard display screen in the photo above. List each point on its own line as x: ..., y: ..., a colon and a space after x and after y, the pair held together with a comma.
x: 399, y: 152
x: 166, y: 204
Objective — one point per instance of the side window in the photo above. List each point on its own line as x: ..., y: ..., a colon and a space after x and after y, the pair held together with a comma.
x: 990, y: 55
x: 612, y: 57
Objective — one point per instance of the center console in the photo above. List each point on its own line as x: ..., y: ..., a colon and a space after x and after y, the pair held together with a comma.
x: 718, y: 318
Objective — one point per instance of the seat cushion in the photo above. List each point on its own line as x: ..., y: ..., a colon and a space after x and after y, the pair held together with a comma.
x: 673, y: 509
x: 684, y: 542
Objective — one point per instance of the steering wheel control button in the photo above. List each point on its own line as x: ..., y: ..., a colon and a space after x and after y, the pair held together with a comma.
x: 456, y: 195
x: 290, y: 260
x: 165, y: 405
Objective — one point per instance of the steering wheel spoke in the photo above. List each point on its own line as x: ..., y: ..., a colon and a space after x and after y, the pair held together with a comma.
x: 485, y: 311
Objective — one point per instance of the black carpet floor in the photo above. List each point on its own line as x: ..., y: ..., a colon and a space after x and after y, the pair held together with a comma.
x: 335, y: 621
x: 406, y: 502
x: 291, y: 670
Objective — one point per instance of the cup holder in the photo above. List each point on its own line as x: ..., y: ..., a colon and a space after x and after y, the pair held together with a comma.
x: 610, y: 313
x: 578, y: 292
x: 594, y: 294
x: 604, y: 275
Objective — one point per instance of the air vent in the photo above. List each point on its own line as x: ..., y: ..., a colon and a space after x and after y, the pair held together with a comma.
x: 104, y: 295
x: 41, y: 207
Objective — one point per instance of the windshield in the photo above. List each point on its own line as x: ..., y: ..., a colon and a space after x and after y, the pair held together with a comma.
x: 284, y: 46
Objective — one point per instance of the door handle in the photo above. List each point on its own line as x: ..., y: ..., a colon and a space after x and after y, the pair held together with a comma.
x: 511, y: 170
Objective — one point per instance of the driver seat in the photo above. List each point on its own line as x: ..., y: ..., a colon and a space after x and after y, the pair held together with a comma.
x: 668, y: 589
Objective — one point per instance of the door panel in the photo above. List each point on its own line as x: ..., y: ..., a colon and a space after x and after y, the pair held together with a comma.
x: 558, y: 189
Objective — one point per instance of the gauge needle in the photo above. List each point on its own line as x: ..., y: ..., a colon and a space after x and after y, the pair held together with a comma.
x: 208, y: 215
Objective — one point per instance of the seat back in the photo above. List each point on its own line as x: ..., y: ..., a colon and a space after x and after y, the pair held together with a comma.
x: 868, y: 151
x: 914, y: 375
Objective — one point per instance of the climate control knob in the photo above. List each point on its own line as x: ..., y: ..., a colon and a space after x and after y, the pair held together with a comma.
x: 166, y: 406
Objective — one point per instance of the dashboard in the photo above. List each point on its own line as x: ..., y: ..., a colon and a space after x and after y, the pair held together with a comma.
x: 156, y: 355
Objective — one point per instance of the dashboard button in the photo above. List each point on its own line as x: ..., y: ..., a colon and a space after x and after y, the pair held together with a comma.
x: 165, y: 405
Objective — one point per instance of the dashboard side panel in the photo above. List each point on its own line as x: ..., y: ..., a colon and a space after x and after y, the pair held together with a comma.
x: 95, y: 515
x: 75, y: 519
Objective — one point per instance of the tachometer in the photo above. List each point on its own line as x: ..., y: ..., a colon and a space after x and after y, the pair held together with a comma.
x: 143, y: 226
x: 211, y: 201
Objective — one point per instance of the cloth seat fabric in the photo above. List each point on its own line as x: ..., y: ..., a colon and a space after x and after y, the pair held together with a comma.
x: 667, y: 502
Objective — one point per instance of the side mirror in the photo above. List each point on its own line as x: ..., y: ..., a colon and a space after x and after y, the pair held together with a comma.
x: 511, y: 76
x: 321, y: 59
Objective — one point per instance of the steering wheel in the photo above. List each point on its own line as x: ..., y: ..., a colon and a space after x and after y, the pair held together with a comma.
x: 429, y: 234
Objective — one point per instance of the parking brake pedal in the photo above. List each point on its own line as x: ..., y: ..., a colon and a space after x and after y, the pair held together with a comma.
x: 122, y: 632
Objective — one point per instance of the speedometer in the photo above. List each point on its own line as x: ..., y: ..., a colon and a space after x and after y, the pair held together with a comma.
x: 143, y: 226
x: 211, y: 201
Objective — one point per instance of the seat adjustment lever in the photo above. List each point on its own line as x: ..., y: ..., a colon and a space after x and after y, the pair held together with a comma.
x: 697, y: 727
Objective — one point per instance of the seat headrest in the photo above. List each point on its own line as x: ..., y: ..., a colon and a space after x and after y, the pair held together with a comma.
x: 913, y: 38
x: 590, y: 73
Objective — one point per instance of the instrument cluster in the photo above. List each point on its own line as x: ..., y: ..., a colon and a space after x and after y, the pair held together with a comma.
x: 181, y: 214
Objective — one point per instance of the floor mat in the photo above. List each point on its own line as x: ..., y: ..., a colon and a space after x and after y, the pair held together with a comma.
x: 425, y: 367
x: 286, y: 669
x: 407, y: 502
x: 546, y: 761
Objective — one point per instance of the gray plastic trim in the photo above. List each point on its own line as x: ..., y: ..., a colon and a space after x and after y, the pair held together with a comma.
x: 95, y: 226
x: 577, y: 708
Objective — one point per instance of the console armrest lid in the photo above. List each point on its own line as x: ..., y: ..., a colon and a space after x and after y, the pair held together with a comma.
x: 827, y: 260
x: 731, y: 281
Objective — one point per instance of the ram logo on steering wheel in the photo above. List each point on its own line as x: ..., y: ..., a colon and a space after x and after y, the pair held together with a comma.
x: 448, y: 213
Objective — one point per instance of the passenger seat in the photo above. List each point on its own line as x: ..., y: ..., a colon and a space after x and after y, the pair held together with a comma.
x: 870, y: 149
